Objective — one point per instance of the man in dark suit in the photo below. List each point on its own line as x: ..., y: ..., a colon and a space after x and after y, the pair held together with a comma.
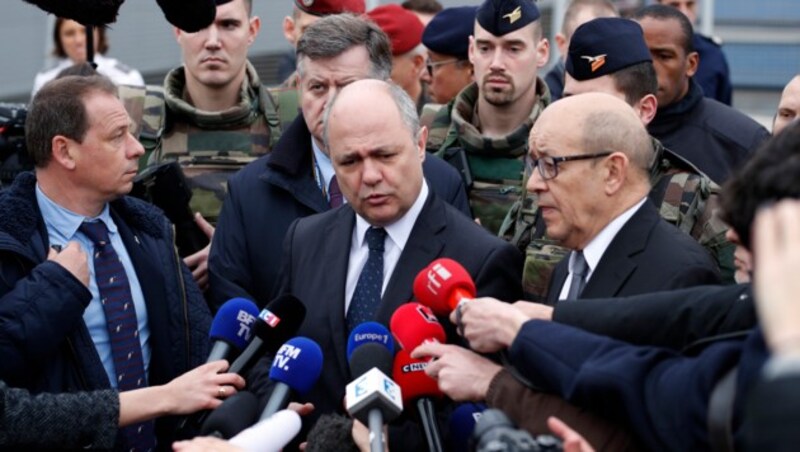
x: 592, y: 193
x: 334, y: 264
x: 297, y: 178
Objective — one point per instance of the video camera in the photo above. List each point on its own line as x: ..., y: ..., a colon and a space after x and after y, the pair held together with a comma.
x: 494, y: 432
x: 14, y: 157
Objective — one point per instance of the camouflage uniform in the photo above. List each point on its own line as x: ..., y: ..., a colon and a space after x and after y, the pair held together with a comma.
x: 684, y: 196
x: 495, y: 165
x: 210, y: 146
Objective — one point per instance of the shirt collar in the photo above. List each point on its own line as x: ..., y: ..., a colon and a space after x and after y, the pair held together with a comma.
x: 400, y: 230
x: 65, y: 221
x: 324, y: 164
x: 594, y: 251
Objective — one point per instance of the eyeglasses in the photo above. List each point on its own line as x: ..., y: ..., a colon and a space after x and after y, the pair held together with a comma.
x: 548, y: 166
x: 430, y: 65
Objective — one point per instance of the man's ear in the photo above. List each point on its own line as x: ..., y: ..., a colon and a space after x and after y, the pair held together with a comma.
x: 63, y: 152
x: 288, y: 30
x: 693, y: 60
x: 543, y: 52
x: 616, y: 166
x: 422, y: 140
x: 562, y: 44
x: 647, y: 108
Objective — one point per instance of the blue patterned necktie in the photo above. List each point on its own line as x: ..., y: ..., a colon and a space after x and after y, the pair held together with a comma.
x: 367, y: 295
x: 578, y: 271
x: 335, y: 193
x: 123, y: 332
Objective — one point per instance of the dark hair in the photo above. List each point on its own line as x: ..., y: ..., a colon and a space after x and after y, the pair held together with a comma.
x: 771, y: 175
x: 598, y: 8
x: 423, y: 6
x: 331, y: 433
x: 333, y: 35
x: 58, y: 48
x: 663, y: 12
x: 83, y: 69
x: 636, y: 81
x: 59, y: 109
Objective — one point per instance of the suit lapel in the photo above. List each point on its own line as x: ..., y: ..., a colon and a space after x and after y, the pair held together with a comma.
x: 617, y: 265
x: 423, y: 246
x: 557, y: 280
x: 335, y: 255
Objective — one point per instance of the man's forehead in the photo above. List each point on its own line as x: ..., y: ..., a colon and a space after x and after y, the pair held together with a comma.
x: 524, y: 34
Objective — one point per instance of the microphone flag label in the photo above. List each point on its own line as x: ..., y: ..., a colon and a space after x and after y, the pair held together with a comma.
x: 271, y: 319
x: 245, y: 320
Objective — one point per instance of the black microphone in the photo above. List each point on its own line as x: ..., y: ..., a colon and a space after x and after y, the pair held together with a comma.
x: 276, y: 323
x: 373, y: 398
x: 235, y: 414
x: 231, y: 329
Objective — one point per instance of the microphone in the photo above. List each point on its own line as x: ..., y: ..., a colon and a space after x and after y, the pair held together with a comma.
x: 462, y: 424
x: 230, y: 330
x: 369, y: 332
x: 276, y: 323
x: 270, y: 435
x: 296, y: 369
x: 412, y: 324
x: 417, y: 386
x: 442, y: 285
x: 235, y: 414
x: 373, y: 398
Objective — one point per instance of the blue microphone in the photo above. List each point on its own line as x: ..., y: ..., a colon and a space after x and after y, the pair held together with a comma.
x: 231, y: 329
x: 462, y: 424
x: 295, y: 369
x: 369, y: 332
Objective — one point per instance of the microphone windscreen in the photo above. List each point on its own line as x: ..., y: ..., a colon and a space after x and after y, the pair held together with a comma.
x: 369, y: 355
x: 87, y: 12
x: 462, y: 424
x: 233, y: 322
x: 409, y: 374
x: 281, y: 319
x: 414, y: 323
x: 369, y: 332
x: 437, y: 283
x: 235, y: 414
x: 270, y: 435
x: 298, y: 363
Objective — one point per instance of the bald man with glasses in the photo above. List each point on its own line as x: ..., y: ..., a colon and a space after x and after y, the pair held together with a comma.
x: 592, y: 191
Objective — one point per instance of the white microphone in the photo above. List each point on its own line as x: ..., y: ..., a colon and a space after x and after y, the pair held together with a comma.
x: 270, y: 435
x: 373, y: 398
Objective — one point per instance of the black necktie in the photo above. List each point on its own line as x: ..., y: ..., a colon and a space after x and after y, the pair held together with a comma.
x: 367, y: 295
x: 578, y: 270
x: 123, y: 328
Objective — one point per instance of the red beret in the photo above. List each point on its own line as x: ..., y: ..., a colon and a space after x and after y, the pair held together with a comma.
x: 401, y: 25
x: 328, y: 7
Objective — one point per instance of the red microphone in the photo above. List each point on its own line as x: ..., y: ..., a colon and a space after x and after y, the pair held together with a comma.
x: 412, y: 324
x: 442, y: 285
x: 416, y: 386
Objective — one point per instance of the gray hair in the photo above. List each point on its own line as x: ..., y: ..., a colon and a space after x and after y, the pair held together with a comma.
x: 405, y: 106
x: 333, y: 35
x: 610, y: 130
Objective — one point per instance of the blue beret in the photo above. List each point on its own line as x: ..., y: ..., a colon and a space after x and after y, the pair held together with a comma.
x: 500, y: 17
x: 449, y: 31
x: 605, y: 45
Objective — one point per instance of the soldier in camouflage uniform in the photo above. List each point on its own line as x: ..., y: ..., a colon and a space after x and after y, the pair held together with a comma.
x: 483, y: 132
x: 213, y: 115
x: 685, y: 197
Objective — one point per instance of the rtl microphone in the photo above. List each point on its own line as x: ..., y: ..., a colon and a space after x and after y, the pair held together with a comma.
x: 231, y: 328
x: 413, y: 323
x: 442, y: 285
x: 462, y: 424
x: 235, y: 414
x: 418, y: 387
x: 270, y: 435
x: 276, y: 323
x: 373, y: 398
x: 369, y: 332
x: 295, y: 368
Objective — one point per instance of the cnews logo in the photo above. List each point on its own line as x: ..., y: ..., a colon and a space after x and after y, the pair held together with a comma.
x: 414, y: 367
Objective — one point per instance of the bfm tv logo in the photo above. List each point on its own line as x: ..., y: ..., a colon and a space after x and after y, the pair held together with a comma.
x: 285, y: 354
x: 437, y: 275
x: 245, y: 320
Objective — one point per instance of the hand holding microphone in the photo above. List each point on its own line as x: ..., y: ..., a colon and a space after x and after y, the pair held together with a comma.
x: 461, y: 374
x: 489, y: 325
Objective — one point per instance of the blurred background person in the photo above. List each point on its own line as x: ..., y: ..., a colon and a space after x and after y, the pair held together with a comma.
x: 448, y: 69
x: 424, y: 9
x: 69, y: 47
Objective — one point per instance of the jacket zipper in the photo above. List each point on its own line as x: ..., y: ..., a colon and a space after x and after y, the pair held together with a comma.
x: 182, y: 286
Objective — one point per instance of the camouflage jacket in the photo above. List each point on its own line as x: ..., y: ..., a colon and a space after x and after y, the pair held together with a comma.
x: 210, y: 146
x: 685, y: 197
x: 492, y: 167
